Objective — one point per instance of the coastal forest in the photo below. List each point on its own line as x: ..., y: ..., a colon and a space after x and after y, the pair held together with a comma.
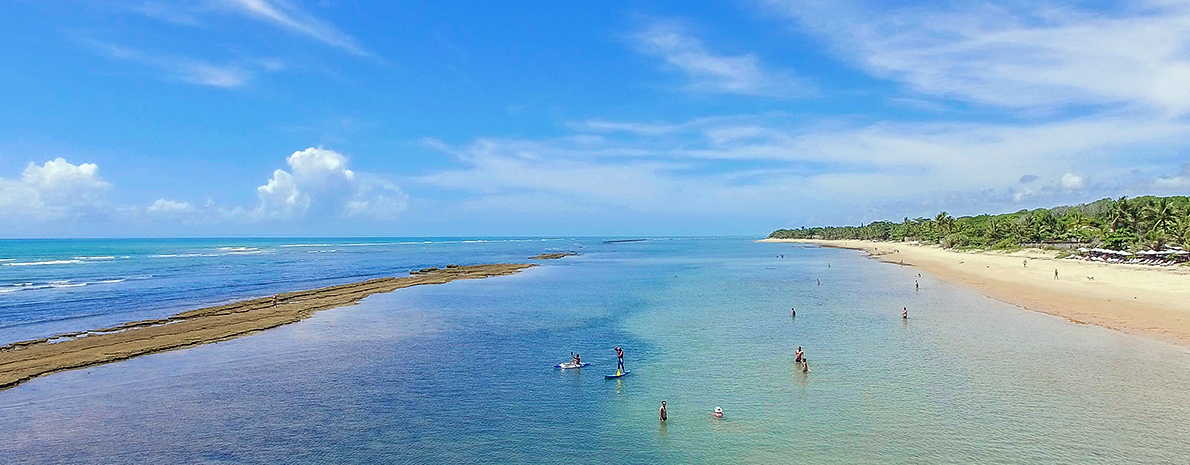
x: 1120, y: 224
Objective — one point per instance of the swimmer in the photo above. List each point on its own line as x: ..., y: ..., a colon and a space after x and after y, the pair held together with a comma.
x: 718, y: 413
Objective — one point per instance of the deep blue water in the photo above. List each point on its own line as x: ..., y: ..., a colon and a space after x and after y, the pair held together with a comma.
x: 462, y: 372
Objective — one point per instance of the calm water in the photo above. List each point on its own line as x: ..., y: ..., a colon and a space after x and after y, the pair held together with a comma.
x: 461, y: 373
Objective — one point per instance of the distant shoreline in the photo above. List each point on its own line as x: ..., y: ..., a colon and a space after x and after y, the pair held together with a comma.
x: 23, y: 361
x: 1136, y: 299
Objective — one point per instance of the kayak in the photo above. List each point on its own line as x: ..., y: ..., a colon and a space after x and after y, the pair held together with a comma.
x: 569, y: 365
x: 618, y: 375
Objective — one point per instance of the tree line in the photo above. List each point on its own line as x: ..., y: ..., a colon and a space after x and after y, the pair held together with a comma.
x: 1122, y: 224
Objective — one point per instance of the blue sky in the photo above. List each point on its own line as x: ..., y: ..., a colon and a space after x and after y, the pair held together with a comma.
x: 288, y: 117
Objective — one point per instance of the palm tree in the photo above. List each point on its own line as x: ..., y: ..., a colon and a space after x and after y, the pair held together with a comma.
x: 945, y: 223
x: 1122, y: 213
x: 1160, y: 216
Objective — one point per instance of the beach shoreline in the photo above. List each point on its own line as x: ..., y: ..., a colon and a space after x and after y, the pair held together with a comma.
x: 25, y: 360
x: 1136, y: 299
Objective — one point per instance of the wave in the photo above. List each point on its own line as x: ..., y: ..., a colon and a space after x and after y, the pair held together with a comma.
x: 66, y: 283
x: 109, y: 257
x: 238, y: 249
x: 46, y: 262
x: 306, y: 245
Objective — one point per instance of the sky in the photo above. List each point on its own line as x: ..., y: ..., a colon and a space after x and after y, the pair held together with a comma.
x: 147, y: 118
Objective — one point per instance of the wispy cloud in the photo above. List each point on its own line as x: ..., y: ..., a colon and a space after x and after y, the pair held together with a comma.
x: 289, y: 16
x: 835, y: 170
x: 182, y: 69
x: 714, y: 73
x: 1030, y: 56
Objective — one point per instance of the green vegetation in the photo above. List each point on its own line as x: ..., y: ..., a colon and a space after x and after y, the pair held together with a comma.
x: 1123, y: 224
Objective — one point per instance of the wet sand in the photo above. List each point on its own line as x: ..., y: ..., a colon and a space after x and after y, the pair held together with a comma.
x: 552, y: 256
x: 1137, y: 299
x: 22, y: 361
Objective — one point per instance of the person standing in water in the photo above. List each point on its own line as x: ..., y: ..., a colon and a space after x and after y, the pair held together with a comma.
x: 916, y: 286
x: 905, y: 313
x: 793, y: 312
x: 620, y: 364
x: 664, y: 416
x: 799, y: 355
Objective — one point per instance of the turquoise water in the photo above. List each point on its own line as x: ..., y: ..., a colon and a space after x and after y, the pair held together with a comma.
x: 461, y: 373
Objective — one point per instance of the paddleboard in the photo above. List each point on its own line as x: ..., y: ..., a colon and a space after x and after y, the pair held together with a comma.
x: 618, y: 375
x: 569, y: 365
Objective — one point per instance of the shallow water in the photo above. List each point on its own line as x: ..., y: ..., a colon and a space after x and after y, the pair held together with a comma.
x: 461, y: 373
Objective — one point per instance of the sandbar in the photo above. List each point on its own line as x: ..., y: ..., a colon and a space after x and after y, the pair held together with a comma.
x: 22, y: 361
x: 1137, y: 299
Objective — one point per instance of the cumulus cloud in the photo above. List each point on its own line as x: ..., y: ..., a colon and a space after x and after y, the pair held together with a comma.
x: 319, y: 182
x: 1072, y: 182
x: 715, y: 73
x: 54, y: 190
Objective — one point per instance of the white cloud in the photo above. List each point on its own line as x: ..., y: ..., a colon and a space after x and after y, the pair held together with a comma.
x: 1072, y: 182
x: 1039, y: 56
x: 755, y: 165
x: 57, y: 189
x: 183, y: 69
x: 1179, y: 181
x: 170, y: 206
x: 321, y: 185
x: 709, y: 72
x: 289, y: 16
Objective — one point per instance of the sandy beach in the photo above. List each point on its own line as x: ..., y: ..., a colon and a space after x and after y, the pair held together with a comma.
x: 22, y: 361
x: 1144, y: 300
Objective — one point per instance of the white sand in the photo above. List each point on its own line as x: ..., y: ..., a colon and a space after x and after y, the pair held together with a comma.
x: 1146, y: 300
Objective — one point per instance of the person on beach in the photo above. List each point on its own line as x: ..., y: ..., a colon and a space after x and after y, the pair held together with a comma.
x: 1055, y: 273
x: 1025, y: 262
x: 905, y: 313
x: 620, y: 365
x: 664, y: 416
x: 718, y: 413
x: 799, y: 355
x: 274, y: 300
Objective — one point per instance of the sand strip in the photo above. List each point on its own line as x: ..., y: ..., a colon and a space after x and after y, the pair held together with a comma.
x: 1137, y: 299
x: 26, y: 360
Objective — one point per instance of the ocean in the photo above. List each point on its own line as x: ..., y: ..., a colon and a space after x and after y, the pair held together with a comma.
x: 463, y: 372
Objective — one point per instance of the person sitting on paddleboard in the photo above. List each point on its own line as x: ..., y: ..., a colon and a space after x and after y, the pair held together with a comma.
x: 578, y: 360
x: 799, y: 355
x: 620, y: 360
x: 718, y: 412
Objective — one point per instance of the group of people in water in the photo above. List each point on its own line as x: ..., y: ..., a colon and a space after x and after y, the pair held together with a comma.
x: 664, y: 415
